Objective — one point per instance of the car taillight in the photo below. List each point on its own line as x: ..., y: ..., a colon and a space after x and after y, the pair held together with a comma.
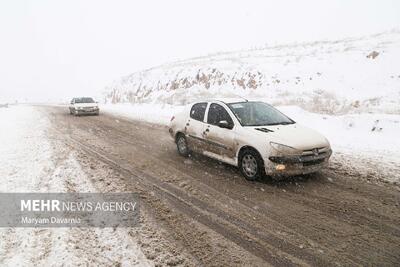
x: 173, y: 117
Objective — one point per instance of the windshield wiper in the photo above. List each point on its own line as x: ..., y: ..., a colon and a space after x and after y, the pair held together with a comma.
x: 262, y: 124
x: 272, y: 124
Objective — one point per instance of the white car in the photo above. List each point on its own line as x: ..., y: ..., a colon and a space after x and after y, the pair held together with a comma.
x: 253, y: 136
x: 84, y: 105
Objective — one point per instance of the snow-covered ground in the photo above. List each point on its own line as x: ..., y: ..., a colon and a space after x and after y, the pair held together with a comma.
x: 31, y: 162
x: 153, y: 113
x: 25, y: 154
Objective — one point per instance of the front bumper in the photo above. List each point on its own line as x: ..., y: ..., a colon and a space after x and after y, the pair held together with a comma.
x: 280, y: 165
x: 87, y: 111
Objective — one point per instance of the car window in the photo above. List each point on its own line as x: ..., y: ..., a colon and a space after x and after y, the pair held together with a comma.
x: 198, y: 111
x: 218, y: 113
x: 84, y: 100
x: 258, y: 114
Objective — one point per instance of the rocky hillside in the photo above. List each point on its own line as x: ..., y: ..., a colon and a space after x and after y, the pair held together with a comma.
x: 349, y: 75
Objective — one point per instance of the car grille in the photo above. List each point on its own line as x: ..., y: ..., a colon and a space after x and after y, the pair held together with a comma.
x: 89, y: 109
x: 313, y: 162
x: 307, y: 158
x: 314, y: 156
x: 315, y: 151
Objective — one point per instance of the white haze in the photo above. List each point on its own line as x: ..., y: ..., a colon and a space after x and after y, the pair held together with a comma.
x: 52, y: 50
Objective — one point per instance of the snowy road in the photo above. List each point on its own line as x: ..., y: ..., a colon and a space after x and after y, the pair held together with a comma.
x: 197, y: 211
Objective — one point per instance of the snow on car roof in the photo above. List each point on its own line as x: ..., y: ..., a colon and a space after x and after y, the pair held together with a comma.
x: 224, y: 100
x: 230, y: 100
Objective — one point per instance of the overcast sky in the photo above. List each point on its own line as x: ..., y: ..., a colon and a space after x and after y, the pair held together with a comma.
x: 58, y: 49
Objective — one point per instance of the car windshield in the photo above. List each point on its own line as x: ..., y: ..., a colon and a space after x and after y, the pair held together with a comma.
x: 258, y: 114
x: 84, y: 100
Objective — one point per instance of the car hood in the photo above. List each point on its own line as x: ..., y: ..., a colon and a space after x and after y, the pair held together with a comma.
x: 294, y: 135
x: 86, y: 105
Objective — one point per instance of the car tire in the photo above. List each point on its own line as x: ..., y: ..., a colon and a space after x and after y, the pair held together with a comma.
x: 251, y: 165
x: 182, y: 146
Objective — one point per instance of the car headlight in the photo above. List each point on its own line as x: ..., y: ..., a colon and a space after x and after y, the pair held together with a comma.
x: 283, y: 149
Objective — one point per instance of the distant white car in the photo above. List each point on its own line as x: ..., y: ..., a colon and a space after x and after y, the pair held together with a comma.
x: 83, y: 105
x: 253, y: 136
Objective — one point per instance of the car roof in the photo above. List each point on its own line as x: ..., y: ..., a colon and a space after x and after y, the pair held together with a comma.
x: 224, y: 100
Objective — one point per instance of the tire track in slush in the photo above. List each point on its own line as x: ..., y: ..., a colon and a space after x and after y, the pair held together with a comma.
x: 278, y: 244
x: 214, y: 218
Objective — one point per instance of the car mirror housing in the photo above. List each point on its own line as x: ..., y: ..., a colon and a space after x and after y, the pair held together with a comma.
x: 225, y: 124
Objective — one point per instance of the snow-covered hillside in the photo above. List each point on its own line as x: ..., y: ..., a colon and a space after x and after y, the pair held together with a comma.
x: 334, y: 77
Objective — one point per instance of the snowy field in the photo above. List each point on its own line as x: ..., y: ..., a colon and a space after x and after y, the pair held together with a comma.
x: 33, y: 162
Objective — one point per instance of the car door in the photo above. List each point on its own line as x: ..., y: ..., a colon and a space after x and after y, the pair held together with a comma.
x: 194, y: 128
x: 220, y: 141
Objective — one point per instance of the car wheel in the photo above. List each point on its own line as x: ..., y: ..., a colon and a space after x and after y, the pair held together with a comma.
x: 182, y: 146
x: 251, y: 165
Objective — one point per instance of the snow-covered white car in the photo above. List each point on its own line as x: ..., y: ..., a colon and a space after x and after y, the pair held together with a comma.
x: 83, y: 105
x: 253, y: 136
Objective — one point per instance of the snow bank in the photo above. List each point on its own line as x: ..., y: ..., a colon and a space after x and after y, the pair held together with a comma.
x: 159, y: 114
x: 25, y: 153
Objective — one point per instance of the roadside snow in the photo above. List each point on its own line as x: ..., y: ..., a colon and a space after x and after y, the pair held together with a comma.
x: 159, y: 114
x: 375, y: 133
x: 30, y: 162
x: 25, y: 154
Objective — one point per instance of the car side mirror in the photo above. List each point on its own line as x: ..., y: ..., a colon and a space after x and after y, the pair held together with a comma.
x: 225, y: 124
